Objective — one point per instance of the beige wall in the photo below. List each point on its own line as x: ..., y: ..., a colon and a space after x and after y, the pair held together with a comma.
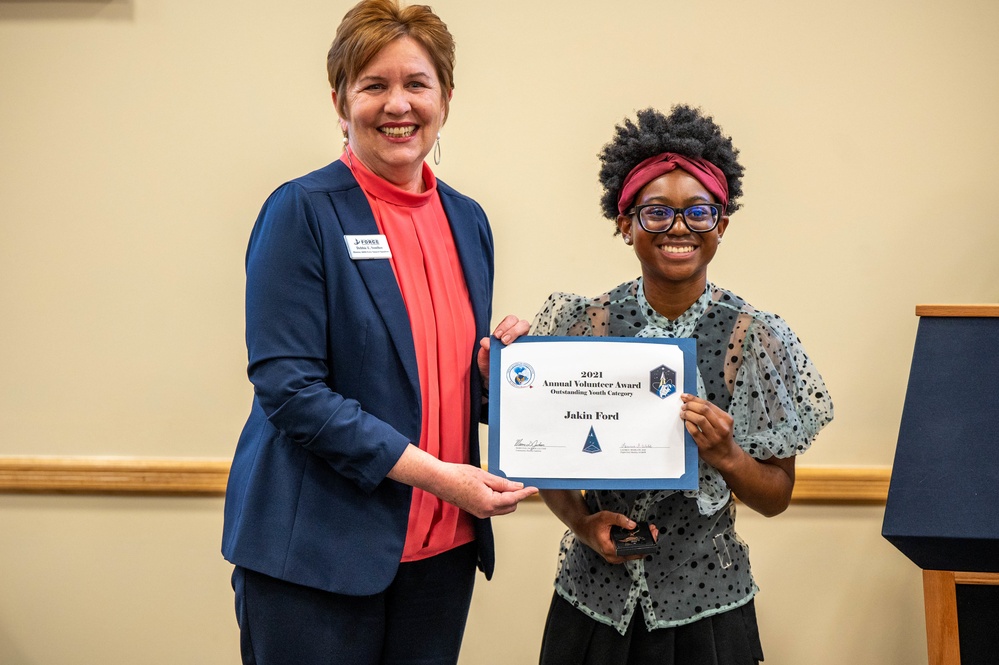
x: 139, y: 138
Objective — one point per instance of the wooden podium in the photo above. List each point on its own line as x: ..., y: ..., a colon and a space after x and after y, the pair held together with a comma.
x: 943, y: 500
x: 972, y: 622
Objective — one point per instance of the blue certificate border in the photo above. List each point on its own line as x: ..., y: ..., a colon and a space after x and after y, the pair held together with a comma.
x: 687, y: 481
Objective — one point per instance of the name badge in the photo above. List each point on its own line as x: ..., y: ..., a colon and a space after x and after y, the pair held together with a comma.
x: 367, y: 247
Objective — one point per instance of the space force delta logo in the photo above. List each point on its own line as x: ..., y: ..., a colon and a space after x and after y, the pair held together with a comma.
x: 662, y: 381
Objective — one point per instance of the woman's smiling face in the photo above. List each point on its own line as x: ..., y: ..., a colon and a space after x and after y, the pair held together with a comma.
x: 678, y: 259
x: 394, y: 110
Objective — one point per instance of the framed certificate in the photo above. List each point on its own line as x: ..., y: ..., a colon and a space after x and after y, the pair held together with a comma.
x: 592, y: 412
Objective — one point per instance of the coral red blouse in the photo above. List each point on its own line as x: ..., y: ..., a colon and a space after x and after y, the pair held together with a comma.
x: 426, y: 266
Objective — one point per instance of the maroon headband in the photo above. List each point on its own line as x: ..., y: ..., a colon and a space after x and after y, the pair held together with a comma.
x: 706, y: 173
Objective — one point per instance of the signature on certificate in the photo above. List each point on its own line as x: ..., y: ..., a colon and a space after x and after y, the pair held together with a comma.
x: 532, y: 446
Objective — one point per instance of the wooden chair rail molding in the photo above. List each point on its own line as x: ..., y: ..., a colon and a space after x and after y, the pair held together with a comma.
x: 207, y: 477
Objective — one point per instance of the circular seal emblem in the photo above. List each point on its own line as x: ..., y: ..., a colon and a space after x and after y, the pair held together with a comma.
x: 520, y: 375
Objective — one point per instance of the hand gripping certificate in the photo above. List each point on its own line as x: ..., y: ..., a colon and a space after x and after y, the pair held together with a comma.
x: 592, y: 412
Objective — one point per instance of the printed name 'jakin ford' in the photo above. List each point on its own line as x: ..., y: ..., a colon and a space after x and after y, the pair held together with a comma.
x: 596, y: 415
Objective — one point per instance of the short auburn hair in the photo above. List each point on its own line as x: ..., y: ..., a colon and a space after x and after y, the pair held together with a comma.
x: 370, y: 26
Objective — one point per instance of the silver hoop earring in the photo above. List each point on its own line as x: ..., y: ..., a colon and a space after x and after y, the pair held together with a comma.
x: 346, y: 149
x: 437, y: 150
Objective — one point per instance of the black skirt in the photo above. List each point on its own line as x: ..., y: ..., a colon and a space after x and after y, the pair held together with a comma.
x: 573, y: 638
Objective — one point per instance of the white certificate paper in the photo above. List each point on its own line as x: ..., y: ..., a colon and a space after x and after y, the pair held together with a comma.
x: 592, y: 412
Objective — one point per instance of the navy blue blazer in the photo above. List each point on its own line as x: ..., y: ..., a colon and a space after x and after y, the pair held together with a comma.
x: 336, y: 390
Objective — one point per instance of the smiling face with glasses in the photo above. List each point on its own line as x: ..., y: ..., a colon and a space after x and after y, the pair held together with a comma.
x: 678, y: 229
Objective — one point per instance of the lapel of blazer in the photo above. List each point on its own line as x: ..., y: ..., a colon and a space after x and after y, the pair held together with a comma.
x: 356, y: 218
x: 465, y: 231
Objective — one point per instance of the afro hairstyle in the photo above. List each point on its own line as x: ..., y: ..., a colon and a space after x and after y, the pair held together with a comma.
x: 686, y: 131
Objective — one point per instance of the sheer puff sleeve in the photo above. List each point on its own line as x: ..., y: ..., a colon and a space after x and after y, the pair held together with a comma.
x: 779, y: 401
x: 569, y: 315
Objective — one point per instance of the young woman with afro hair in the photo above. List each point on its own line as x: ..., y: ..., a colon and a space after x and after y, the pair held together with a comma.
x: 670, y: 183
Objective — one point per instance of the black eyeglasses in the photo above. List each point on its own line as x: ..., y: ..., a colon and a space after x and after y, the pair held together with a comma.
x: 658, y: 218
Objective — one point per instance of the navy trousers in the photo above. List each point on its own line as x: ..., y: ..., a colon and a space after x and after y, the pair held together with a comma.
x: 418, y: 620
